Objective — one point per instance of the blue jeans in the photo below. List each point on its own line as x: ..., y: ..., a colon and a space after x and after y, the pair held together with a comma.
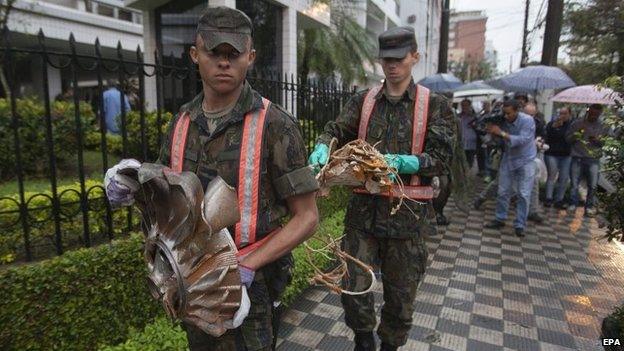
x: 522, y: 178
x: 559, y: 171
x: 587, y: 168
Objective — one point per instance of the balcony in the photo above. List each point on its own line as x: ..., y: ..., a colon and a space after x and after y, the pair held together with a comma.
x: 107, y: 8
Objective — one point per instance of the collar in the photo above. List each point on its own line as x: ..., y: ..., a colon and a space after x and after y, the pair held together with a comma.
x: 518, y: 118
x: 410, y: 92
x: 248, y: 100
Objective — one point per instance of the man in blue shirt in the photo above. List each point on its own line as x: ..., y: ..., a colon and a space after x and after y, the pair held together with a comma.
x: 112, y: 108
x: 517, y: 166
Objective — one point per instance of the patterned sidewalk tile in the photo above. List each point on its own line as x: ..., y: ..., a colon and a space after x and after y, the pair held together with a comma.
x: 489, y: 290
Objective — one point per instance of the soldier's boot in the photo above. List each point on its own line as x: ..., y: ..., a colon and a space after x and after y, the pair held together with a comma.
x: 388, y: 347
x: 364, y: 341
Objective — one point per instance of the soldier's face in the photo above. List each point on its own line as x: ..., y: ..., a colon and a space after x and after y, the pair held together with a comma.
x: 399, y: 70
x: 223, y: 68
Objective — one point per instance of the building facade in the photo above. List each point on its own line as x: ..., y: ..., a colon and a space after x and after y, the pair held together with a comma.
x: 467, y: 37
x: 424, y: 16
x: 107, y: 20
x: 169, y: 28
x: 491, y: 55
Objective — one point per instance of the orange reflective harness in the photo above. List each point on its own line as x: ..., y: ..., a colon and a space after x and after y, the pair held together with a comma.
x: 248, y: 173
x: 419, y: 130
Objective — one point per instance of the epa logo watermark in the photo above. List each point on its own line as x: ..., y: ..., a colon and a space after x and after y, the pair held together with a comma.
x: 611, y: 342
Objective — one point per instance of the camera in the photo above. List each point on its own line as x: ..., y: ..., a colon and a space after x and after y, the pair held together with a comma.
x: 495, y: 117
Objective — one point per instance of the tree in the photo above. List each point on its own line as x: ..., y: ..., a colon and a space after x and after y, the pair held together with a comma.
x: 340, y: 50
x: 467, y: 72
x: 594, y: 32
x: 611, y: 205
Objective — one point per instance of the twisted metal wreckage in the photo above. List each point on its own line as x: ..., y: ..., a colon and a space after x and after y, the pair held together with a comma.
x: 190, y: 255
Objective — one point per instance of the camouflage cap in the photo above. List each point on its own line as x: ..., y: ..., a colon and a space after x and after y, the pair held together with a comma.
x: 397, y: 42
x: 222, y: 24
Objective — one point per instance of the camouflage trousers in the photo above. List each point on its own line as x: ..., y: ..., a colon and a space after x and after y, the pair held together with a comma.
x: 402, y: 263
x: 257, y: 331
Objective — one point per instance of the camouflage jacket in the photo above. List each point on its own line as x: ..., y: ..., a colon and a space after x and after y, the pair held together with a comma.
x: 390, y: 127
x: 284, y: 172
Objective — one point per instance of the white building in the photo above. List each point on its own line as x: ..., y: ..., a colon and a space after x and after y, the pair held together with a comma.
x: 491, y: 55
x: 169, y: 26
x: 378, y: 16
x: 425, y: 16
x: 107, y: 20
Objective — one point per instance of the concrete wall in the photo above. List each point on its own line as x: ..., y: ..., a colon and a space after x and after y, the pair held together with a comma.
x: 425, y: 17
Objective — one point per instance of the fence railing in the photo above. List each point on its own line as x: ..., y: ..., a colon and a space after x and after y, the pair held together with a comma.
x: 54, y: 151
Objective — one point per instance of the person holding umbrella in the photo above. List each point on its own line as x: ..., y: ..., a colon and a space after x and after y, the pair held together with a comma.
x: 585, y: 137
x: 557, y: 158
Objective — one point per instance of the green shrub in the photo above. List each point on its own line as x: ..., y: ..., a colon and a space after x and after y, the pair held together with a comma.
x: 32, y: 134
x: 162, y: 335
x: 168, y: 336
x: 114, y: 143
x: 619, y: 316
x: 41, y: 221
x: 89, y: 298
x: 611, y: 206
x: 76, y: 301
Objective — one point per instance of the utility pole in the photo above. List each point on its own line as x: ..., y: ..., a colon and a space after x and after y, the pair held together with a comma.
x: 525, y: 33
x: 444, y: 38
x: 554, y: 18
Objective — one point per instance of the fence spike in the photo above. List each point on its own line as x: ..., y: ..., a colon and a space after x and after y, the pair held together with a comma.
x: 139, y: 54
x: 72, y: 39
x: 119, y: 50
x: 98, y: 49
x: 41, y: 39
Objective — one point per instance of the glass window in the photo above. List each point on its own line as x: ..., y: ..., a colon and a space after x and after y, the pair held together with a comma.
x: 267, y: 32
x: 176, y: 25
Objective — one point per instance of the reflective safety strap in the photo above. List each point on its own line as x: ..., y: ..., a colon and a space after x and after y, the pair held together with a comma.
x: 252, y: 247
x: 178, y: 142
x: 367, y: 110
x: 419, y: 124
x: 249, y: 175
x: 419, y: 131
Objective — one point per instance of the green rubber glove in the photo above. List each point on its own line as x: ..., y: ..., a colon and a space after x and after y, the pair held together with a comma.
x: 319, y: 157
x: 404, y: 164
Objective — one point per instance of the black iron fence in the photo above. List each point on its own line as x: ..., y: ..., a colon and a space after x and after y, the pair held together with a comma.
x: 54, y: 150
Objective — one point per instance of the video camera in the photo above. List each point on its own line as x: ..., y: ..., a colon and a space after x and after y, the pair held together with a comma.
x: 497, y: 116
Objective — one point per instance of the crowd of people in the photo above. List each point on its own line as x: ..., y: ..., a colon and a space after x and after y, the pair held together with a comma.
x: 509, y: 151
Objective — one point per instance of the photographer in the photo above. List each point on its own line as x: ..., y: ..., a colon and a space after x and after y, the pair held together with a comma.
x: 517, y: 165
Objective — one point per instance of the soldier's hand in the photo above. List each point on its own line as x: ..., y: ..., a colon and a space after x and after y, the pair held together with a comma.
x: 241, y: 313
x: 246, y: 275
x: 319, y: 157
x: 404, y: 164
x: 119, y: 188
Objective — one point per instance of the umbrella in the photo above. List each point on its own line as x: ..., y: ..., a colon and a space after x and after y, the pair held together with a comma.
x: 532, y: 79
x: 476, y: 88
x: 441, y: 82
x: 587, y: 94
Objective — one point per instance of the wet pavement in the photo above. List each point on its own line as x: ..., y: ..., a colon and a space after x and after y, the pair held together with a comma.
x: 486, y: 289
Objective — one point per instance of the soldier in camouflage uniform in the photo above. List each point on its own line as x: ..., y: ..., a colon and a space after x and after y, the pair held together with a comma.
x: 372, y: 234
x: 223, y: 52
